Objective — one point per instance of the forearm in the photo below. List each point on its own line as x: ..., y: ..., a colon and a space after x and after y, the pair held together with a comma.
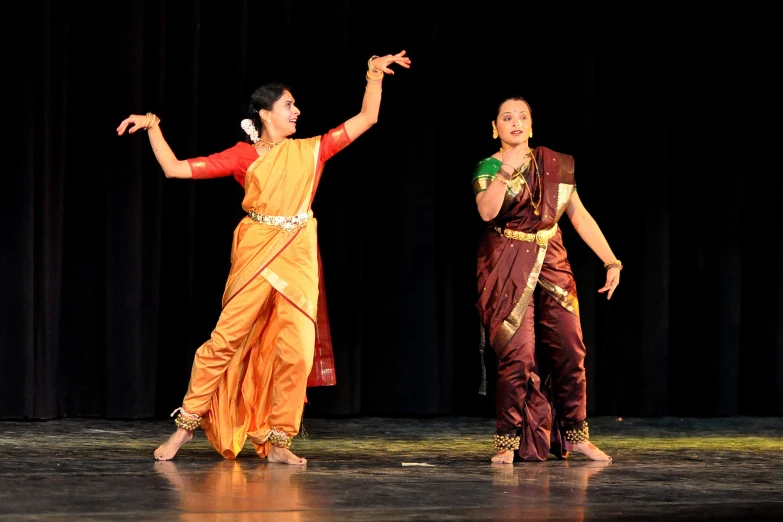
x: 490, y: 201
x: 371, y: 103
x: 371, y: 106
x: 172, y: 167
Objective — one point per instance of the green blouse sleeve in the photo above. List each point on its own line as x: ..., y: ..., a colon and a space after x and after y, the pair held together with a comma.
x: 484, y: 173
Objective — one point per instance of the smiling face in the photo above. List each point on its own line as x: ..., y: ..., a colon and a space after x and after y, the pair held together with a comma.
x: 283, y: 116
x: 513, y: 122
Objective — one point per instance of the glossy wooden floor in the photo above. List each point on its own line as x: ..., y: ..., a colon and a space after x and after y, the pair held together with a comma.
x: 377, y: 469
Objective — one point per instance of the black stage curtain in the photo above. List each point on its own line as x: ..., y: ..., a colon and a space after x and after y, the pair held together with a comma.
x: 113, y: 274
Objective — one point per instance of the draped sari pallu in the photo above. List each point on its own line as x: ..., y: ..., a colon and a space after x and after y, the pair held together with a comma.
x: 509, y: 273
x: 281, y: 183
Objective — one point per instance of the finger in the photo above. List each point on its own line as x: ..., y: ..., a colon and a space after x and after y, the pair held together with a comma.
x: 609, y: 295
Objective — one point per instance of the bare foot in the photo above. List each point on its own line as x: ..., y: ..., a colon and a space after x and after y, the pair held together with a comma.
x: 589, y: 450
x: 503, y: 457
x: 168, y: 449
x: 284, y: 456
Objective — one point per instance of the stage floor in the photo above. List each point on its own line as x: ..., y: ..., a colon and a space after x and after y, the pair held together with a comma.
x: 379, y: 469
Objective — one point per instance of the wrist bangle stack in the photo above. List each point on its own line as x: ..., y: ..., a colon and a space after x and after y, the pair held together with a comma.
x: 372, y: 69
x: 503, y: 174
x: 614, y: 264
x: 152, y: 121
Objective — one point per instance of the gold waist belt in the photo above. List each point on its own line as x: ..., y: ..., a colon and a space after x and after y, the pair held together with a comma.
x: 289, y: 224
x: 541, y: 237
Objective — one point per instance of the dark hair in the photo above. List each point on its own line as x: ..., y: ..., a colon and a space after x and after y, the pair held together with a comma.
x: 510, y: 98
x: 263, y: 98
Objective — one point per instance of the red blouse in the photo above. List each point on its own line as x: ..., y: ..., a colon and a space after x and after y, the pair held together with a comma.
x: 235, y: 160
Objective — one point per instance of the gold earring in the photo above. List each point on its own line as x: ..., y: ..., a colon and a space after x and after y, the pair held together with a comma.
x: 494, y: 131
x: 531, y: 133
x: 269, y: 122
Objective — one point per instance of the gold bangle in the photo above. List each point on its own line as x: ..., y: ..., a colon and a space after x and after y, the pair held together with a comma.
x: 152, y: 121
x: 372, y: 91
x: 503, y: 181
x: 614, y: 264
x: 370, y: 78
x: 370, y: 65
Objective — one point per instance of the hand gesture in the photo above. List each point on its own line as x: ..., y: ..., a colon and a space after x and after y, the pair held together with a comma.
x: 137, y: 122
x: 382, y: 63
x: 612, y: 280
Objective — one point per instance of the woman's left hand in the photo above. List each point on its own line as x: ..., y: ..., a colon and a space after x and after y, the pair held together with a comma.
x: 612, y: 280
x: 382, y: 63
x: 137, y: 122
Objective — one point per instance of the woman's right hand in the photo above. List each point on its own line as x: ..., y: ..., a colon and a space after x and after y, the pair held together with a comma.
x: 383, y: 63
x: 136, y: 122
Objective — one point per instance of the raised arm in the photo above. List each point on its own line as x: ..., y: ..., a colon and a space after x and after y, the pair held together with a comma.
x: 371, y: 103
x: 172, y: 167
x: 591, y: 234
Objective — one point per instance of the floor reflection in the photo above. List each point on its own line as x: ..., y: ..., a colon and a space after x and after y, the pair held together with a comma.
x: 663, y: 469
x: 239, y: 490
x: 552, y: 490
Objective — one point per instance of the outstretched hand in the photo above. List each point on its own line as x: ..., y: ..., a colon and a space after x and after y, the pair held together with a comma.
x: 612, y: 280
x: 382, y: 63
x: 135, y: 122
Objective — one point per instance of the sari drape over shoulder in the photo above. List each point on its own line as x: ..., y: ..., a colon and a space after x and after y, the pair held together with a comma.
x: 306, y: 157
x: 508, y: 271
x: 250, y: 377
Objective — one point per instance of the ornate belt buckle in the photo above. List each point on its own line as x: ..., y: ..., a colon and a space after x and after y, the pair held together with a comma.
x: 541, y: 238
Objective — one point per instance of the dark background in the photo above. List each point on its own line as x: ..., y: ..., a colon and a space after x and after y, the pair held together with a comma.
x: 112, y: 275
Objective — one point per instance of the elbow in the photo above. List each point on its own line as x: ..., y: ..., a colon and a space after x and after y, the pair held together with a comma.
x: 369, y: 117
x: 179, y: 169
x: 487, y: 216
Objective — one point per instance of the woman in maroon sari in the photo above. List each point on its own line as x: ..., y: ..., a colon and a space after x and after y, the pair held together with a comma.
x: 527, y: 293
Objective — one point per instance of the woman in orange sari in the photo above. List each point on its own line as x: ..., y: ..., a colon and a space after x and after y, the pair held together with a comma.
x: 249, y: 379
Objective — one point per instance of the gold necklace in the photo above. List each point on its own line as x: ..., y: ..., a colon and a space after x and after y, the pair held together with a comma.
x: 268, y: 144
x: 529, y: 151
x: 534, y: 204
x: 518, y: 173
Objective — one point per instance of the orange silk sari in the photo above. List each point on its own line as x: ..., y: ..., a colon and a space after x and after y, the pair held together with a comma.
x: 273, y: 273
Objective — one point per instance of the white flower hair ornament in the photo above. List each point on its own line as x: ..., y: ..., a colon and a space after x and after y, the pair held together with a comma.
x: 250, y: 129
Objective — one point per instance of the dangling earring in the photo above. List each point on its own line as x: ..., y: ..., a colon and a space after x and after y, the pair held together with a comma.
x: 494, y: 131
x: 531, y: 133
